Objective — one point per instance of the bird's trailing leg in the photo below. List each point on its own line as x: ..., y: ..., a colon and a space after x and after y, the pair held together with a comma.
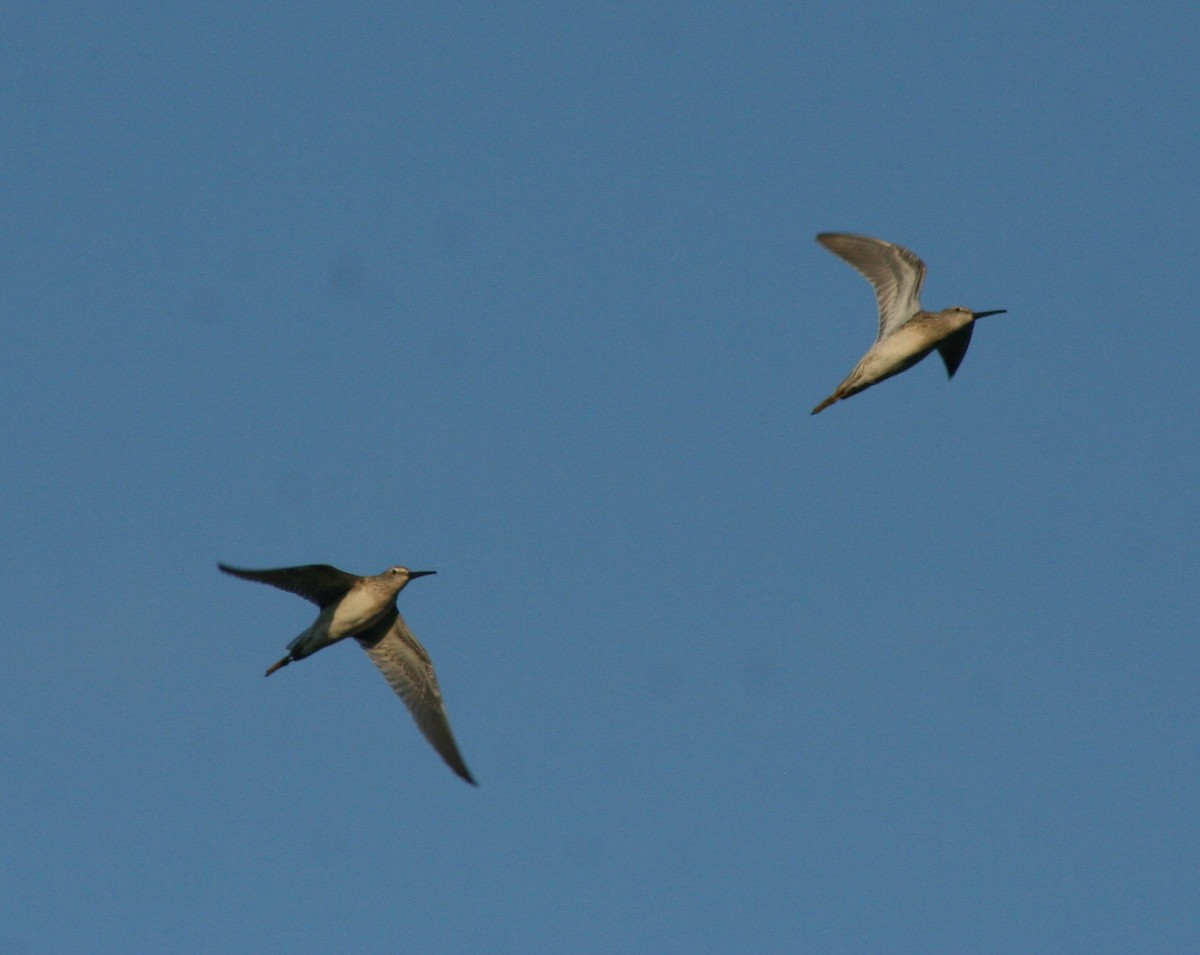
x: 280, y: 665
x: 826, y: 403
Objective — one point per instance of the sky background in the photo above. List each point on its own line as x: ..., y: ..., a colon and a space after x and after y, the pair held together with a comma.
x: 528, y: 294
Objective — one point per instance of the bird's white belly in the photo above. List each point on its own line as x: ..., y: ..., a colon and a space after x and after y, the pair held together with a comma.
x: 897, y: 352
x: 357, y: 611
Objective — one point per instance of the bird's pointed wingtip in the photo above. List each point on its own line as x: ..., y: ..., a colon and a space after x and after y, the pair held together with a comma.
x: 461, y: 771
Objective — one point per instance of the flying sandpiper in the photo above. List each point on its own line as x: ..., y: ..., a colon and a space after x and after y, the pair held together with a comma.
x: 906, y: 332
x: 365, y: 608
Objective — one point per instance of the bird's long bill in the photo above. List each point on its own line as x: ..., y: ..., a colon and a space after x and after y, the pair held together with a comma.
x: 978, y: 315
x: 413, y: 574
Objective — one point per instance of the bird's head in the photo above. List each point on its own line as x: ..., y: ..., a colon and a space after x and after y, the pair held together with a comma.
x: 400, y: 576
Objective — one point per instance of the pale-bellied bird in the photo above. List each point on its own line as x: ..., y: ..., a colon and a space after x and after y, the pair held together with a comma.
x: 365, y: 608
x: 906, y: 332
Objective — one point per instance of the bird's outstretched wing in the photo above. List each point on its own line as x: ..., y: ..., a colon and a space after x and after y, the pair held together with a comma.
x: 407, y: 667
x: 896, y: 273
x: 320, y: 583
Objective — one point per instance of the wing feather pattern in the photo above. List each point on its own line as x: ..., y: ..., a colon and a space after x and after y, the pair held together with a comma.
x: 896, y: 273
x: 406, y: 666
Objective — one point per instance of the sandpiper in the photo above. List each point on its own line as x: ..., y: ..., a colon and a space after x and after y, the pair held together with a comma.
x: 365, y: 608
x: 906, y: 332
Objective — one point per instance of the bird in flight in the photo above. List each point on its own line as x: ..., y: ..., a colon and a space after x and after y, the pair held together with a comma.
x: 365, y: 608
x: 906, y: 332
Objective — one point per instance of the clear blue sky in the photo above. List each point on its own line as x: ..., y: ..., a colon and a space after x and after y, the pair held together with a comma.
x: 528, y: 294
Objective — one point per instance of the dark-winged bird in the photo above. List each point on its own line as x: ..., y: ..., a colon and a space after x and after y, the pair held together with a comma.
x: 365, y: 608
